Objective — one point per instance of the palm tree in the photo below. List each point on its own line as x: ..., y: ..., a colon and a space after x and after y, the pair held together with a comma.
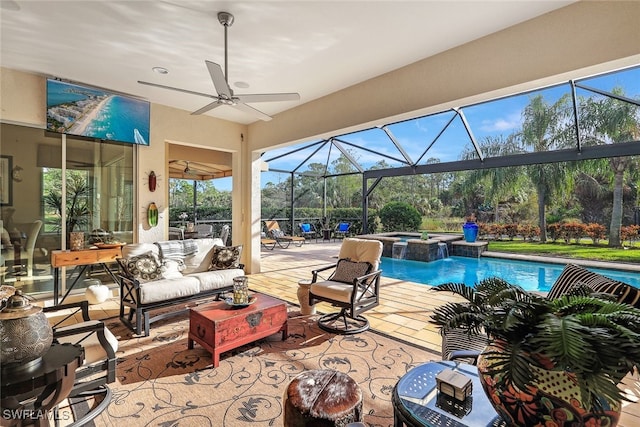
x: 610, y: 121
x: 545, y: 128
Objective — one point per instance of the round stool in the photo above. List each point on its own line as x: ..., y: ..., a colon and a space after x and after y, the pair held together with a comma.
x: 303, y: 298
x: 322, y: 398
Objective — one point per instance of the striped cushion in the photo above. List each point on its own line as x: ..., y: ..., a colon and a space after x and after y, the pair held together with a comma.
x: 573, y: 275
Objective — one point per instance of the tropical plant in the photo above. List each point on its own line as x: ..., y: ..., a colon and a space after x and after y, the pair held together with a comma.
x: 588, y: 334
x: 78, y: 212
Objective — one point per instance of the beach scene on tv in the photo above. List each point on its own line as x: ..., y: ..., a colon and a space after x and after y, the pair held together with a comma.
x: 84, y: 111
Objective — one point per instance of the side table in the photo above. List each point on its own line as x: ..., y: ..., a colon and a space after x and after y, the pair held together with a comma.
x: 303, y: 298
x: 417, y: 402
x: 29, y: 394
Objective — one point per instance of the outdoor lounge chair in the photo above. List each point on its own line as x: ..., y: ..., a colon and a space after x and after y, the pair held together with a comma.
x: 354, y: 286
x: 204, y: 230
x: 342, y: 230
x: 308, y: 231
x: 458, y: 344
x: 283, y: 240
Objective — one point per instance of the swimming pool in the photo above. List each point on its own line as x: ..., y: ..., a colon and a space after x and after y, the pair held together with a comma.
x: 532, y: 276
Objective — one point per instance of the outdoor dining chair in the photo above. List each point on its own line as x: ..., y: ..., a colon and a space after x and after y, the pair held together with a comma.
x: 308, y: 231
x: 342, y: 230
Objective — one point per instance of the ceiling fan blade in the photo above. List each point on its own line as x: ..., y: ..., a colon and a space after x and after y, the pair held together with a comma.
x: 206, y: 108
x: 191, y: 92
x: 256, y: 113
x: 268, y: 97
x: 219, y: 81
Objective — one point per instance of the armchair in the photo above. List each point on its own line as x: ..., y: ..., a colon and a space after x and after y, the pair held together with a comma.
x: 23, y: 248
x: 204, y: 230
x: 354, y: 286
x: 73, y: 325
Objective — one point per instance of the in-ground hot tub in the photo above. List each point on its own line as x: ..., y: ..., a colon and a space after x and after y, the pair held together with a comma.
x: 411, y: 246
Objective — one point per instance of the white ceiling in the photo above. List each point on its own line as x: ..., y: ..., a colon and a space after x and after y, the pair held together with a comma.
x: 310, y: 47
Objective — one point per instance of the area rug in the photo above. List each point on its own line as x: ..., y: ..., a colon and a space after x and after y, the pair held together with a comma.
x: 163, y: 383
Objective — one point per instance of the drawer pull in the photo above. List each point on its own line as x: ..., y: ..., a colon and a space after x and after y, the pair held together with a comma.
x: 254, y: 319
x: 201, y: 331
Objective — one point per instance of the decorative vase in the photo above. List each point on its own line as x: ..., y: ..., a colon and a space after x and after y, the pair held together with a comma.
x: 555, y: 399
x: 76, y: 240
x: 241, y: 290
x: 470, y: 231
x: 25, y: 332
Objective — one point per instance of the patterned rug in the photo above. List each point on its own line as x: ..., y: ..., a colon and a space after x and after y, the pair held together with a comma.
x: 163, y: 383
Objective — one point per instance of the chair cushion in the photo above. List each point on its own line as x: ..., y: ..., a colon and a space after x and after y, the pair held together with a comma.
x: 93, y: 350
x: 335, y: 291
x: 347, y: 270
x: 226, y: 257
x: 144, y: 268
x: 306, y: 228
x: 573, y: 275
x: 357, y: 249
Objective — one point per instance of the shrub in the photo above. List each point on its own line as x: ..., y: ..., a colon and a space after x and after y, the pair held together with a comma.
x: 630, y: 233
x: 596, y: 232
x: 400, y: 216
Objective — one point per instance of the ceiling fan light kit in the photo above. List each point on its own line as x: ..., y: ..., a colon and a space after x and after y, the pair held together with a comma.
x: 220, y: 79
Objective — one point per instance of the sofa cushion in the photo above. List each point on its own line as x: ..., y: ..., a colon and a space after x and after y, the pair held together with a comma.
x: 573, y: 275
x: 144, y: 267
x: 201, y: 260
x: 168, y: 289
x: 216, y: 279
x: 225, y: 257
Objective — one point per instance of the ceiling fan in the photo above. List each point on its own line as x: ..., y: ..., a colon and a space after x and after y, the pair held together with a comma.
x: 225, y: 93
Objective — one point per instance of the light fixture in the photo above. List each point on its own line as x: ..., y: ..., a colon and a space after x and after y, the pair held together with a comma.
x: 160, y: 70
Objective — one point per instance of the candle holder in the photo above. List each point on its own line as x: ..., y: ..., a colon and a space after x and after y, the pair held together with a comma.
x: 76, y: 240
x: 241, y: 290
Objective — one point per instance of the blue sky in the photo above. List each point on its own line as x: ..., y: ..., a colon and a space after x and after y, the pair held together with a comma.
x: 488, y: 119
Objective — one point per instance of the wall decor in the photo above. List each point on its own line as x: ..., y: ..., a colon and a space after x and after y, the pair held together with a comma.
x: 6, y: 184
x: 152, y: 214
x: 152, y: 181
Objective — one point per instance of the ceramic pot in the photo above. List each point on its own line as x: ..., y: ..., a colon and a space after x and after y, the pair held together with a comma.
x: 25, y: 332
x: 470, y: 231
x: 554, y: 399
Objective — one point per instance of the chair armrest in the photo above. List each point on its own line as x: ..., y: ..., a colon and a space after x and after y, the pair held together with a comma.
x: 73, y: 307
x: 319, y: 270
x: 367, y: 276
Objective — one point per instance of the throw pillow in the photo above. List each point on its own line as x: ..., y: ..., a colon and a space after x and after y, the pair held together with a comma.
x: 306, y: 228
x: 144, y: 268
x: 347, y: 270
x: 172, y: 268
x: 226, y: 257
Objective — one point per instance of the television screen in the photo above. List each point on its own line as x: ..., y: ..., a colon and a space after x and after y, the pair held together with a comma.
x: 96, y: 113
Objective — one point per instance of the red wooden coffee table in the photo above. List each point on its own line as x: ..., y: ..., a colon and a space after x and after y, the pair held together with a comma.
x: 219, y: 327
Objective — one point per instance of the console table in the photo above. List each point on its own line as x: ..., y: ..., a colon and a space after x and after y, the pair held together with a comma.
x: 83, y: 258
x: 417, y: 402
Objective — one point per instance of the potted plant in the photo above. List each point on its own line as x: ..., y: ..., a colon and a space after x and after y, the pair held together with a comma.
x: 585, y: 342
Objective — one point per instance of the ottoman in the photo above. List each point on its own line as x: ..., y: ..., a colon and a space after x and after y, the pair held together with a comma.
x: 322, y: 398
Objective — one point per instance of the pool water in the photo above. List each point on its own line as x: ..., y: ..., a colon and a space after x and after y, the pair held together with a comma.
x: 532, y: 276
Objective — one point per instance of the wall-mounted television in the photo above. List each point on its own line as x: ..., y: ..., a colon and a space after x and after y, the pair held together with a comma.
x: 87, y: 111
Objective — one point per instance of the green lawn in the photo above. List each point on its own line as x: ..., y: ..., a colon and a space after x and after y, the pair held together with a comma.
x: 578, y: 251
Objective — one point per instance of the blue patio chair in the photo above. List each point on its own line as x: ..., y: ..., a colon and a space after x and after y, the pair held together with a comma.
x: 308, y: 231
x: 342, y: 230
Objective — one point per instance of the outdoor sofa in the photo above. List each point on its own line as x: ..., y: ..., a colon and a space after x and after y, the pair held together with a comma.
x: 169, y: 273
